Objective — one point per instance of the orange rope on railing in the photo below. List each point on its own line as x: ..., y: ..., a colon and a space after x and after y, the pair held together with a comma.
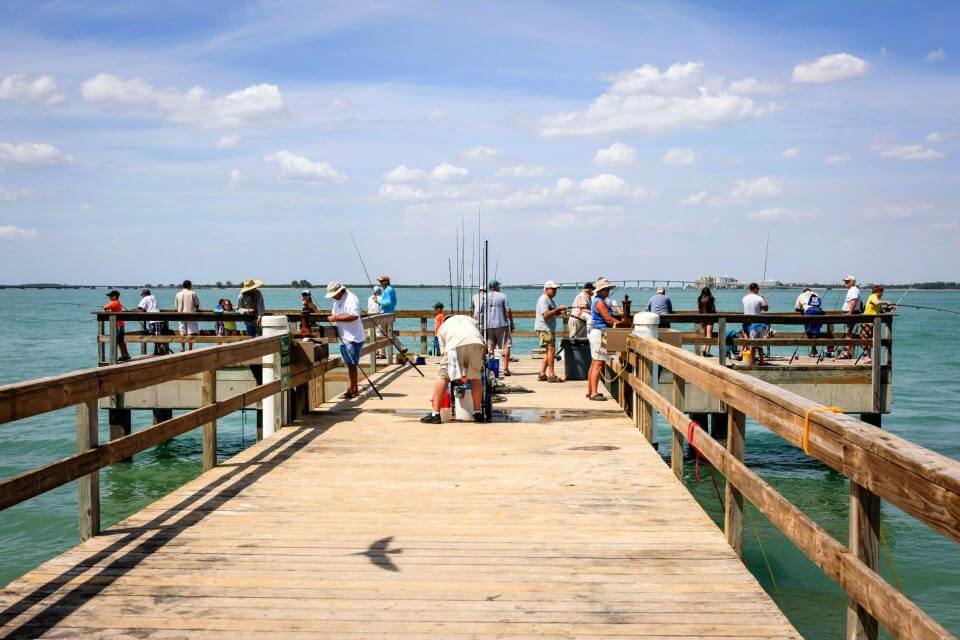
x: 806, y: 424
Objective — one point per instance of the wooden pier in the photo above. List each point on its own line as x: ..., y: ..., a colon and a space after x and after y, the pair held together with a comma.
x: 353, y: 519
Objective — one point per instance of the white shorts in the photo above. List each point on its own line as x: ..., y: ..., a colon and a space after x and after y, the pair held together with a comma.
x: 597, y: 350
x: 188, y: 328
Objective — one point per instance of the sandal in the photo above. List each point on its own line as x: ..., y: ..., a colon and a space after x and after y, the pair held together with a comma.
x: 541, y: 377
x: 554, y: 379
x: 598, y: 397
x: 507, y: 373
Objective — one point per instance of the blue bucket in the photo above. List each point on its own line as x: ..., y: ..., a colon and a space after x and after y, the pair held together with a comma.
x: 421, y: 360
x: 494, y: 365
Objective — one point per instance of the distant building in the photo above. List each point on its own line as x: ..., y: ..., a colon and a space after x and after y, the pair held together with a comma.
x: 717, y: 282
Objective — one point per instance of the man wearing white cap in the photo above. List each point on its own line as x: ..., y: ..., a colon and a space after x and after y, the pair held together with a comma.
x: 545, y: 324
x: 346, y: 316
x: 852, y: 305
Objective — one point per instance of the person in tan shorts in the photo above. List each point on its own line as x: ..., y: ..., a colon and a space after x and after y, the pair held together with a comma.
x: 463, y: 352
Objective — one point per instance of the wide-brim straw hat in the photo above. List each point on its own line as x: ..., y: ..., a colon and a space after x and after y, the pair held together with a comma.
x: 334, y: 289
x: 602, y: 284
x: 250, y: 285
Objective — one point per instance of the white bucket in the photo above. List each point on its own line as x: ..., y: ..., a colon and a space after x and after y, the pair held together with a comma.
x: 463, y: 404
x: 646, y: 325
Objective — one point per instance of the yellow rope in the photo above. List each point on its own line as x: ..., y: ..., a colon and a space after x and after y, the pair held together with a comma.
x: 806, y: 424
x: 620, y: 373
x: 893, y: 565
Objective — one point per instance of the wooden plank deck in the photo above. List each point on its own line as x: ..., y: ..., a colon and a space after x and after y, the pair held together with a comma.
x: 358, y: 521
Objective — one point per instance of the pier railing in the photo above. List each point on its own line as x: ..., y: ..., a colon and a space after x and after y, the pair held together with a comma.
x: 880, y: 465
x: 83, y: 389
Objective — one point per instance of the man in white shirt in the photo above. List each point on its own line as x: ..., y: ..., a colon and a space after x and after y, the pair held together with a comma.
x: 462, y: 347
x: 188, y: 302
x: 753, y: 305
x: 851, y: 305
x: 346, y: 317
x: 148, y: 304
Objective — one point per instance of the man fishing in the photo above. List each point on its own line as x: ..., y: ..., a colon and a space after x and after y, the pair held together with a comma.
x: 462, y: 347
x: 346, y: 316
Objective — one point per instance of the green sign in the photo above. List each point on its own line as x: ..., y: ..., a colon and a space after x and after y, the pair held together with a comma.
x: 286, y: 342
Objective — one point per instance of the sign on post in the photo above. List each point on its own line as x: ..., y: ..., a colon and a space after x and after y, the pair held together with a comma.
x: 283, y: 362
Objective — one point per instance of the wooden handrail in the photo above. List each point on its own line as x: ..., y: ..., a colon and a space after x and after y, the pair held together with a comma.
x: 919, y: 481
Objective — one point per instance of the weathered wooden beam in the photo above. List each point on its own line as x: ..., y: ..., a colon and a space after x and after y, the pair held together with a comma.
x: 88, y: 486
x: 864, y: 542
x: 423, y: 337
x: 733, y: 499
x: 646, y: 409
x: 208, y: 396
x: 921, y: 482
x: 676, y: 439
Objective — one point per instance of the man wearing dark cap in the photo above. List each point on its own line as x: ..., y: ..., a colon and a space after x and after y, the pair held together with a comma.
x: 580, y: 312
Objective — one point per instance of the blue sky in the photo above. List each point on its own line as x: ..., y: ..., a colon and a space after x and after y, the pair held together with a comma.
x: 145, y: 142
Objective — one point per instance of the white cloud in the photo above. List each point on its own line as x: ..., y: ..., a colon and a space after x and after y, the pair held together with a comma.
x: 777, y: 213
x: 604, y: 185
x: 837, y: 158
x: 481, y: 154
x: 30, y: 155
x: 747, y: 190
x: 646, y: 100
x: 935, y: 137
x: 403, y: 173
x: 235, y: 177
x: 255, y: 105
x: 753, y: 87
x: 936, y: 55
x: 616, y: 154
x: 228, y: 142
x: 85, y: 206
x: 523, y: 171
x: 10, y: 232
x: 446, y: 172
x: 899, y: 211
x: 7, y: 195
x: 294, y: 167
x: 792, y: 152
x: 906, y: 151
x: 41, y: 90
x: 680, y: 156
x: 831, y: 68
x: 694, y: 199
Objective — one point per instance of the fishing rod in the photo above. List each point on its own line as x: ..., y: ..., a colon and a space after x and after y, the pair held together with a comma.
x: 897, y: 303
x: 393, y: 340
x: 913, y: 306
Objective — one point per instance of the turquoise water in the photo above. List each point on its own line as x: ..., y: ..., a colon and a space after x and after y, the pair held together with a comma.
x: 44, y: 332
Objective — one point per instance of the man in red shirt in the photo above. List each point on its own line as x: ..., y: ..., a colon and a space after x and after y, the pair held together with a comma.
x: 115, y: 306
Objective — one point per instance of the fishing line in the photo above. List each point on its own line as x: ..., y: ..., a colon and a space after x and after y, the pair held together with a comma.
x: 913, y: 306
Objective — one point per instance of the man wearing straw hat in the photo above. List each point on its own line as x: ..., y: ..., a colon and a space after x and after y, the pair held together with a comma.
x: 346, y: 316
x: 251, y: 302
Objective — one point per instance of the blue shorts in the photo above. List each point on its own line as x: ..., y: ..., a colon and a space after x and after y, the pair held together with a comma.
x: 758, y: 331
x: 350, y: 352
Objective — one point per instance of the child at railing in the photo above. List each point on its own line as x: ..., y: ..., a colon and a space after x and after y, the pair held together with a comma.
x: 115, y: 307
x: 219, y: 327
x: 229, y: 326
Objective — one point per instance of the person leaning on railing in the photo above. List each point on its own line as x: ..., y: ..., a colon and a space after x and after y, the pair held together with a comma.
x: 251, y: 302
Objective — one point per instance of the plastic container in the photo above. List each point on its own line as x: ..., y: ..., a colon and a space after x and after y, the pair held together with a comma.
x: 646, y: 325
x: 493, y: 364
x: 463, y: 406
x: 446, y: 412
x: 576, y: 361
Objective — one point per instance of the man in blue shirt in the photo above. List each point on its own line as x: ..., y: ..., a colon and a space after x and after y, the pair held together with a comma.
x: 388, y: 299
x: 660, y: 303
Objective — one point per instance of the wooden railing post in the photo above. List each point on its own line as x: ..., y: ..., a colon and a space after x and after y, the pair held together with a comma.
x: 876, y: 382
x: 722, y: 342
x: 208, y: 396
x: 88, y: 487
x: 388, y: 331
x: 646, y: 409
x: 372, y: 338
x: 676, y: 438
x: 733, y: 499
x: 423, y: 335
x: 864, y: 543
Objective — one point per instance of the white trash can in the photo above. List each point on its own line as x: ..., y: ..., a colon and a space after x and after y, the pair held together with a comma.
x: 646, y: 325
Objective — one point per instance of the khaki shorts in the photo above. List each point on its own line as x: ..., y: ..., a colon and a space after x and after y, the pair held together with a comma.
x: 547, y: 338
x: 470, y: 357
x: 498, y: 338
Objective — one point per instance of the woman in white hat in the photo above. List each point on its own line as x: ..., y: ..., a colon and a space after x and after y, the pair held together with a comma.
x: 602, y: 318
x: 251, y: 302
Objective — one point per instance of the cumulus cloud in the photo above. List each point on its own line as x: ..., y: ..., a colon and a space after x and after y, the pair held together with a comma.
x: 934, y: 137
x: 792, y: 152
x: 255, y: 105
x: 10, y: 232
x: 41, y: 90
x: 744, y: 191
x: 832, y: 68
x: 523, y: 171
x: 936, y: 55
x: 481, y: 154
x: 7, y: 195
x: 680, y: 156
x: 694, y: 199
x: 447, y: 172
x: 647, y: 100
x: 235, y: 178
x: 906, y: 151
x: 294, y: 167
x: 616, y: 154
x: 753, y: 87
x: 605, y: 185
x: 403, y: 173
x: 777, y: 213
x: 228, y: 142
x: 837, y: 158
x: 31, y: 155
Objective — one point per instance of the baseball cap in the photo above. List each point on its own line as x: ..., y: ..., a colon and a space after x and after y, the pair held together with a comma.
x: 550, y: 284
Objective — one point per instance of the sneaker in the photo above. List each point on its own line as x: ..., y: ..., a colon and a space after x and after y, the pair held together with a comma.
x: 431, y: 419
x: 478, y: 416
